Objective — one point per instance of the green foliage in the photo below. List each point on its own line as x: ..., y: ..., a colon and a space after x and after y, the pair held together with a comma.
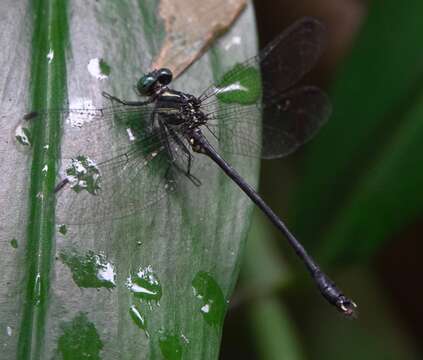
x: 360, y: 171
x: 359, y: 187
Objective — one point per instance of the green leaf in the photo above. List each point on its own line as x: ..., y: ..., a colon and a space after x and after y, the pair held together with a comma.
x: 367, y: 155
x: 55, y: 278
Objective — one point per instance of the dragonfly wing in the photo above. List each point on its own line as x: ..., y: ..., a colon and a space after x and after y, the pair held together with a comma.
x: 121, y: 178
x: 126, y: 183
x: 115, y: 189
x: 92, y: 119
x: 290, y: 120
x: 282, y: 63
x: 293, y: 119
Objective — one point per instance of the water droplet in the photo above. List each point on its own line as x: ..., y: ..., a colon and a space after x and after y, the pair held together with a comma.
x: 170, y: 346
x: 23, y: 135
x: 37, y: 290
x: 244, y: 90
x: 131, y: 135
x: 98, y: 68
x: 79, y: 340
x: 138, y: 318
x: 105, y: 67
x: 235, y: 40
x: 50, y: 56
x: 14, y: 243
x: 145, y: 284
x: 213, y: 305
x: 185, y: 338
x: 63, y: 229
x: 83, y: 174
x: 90, y: 270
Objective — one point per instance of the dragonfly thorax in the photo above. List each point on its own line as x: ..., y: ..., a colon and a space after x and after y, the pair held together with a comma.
x: 178, y: 108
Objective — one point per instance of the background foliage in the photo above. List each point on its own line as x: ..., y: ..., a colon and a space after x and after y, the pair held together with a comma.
x: 353, y: 195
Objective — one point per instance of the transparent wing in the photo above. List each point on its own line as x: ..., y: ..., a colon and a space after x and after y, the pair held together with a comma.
x: 116, y: 163
x: 138, y: 183
x: 98, y: 118
x: 281, y: 64
x: 125, y: 184
x: 290, y: 120
x: 263, y: 86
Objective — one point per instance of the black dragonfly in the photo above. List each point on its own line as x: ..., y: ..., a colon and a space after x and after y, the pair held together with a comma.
x: 169, y: 128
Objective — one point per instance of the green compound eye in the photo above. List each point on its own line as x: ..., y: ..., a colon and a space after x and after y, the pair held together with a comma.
x: 165, y: 76
x: 145, y: 84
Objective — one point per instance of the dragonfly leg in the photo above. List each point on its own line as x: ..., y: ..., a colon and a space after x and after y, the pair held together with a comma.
x: 172, y: 160
x: 153, y: 118
x: 163, y: 130
x: 61, y: 185
x: 186, y: 172
x: 185, y: 149
x: 125, y: 102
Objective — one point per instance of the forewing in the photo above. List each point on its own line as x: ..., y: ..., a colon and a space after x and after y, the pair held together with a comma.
x: 105, y: 184
x: 95, y: 119
x: 282, y: 63
x: 130, y: 178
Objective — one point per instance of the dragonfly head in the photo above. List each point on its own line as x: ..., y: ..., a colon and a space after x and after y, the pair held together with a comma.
x: 150, y: 82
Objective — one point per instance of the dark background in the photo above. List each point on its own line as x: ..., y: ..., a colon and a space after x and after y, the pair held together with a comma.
x: 387, y: 279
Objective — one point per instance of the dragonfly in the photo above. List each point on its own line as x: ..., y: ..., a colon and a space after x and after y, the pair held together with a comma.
x: 168, y: 129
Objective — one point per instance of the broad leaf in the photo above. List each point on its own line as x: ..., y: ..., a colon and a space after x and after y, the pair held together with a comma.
x: 154, y: 285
